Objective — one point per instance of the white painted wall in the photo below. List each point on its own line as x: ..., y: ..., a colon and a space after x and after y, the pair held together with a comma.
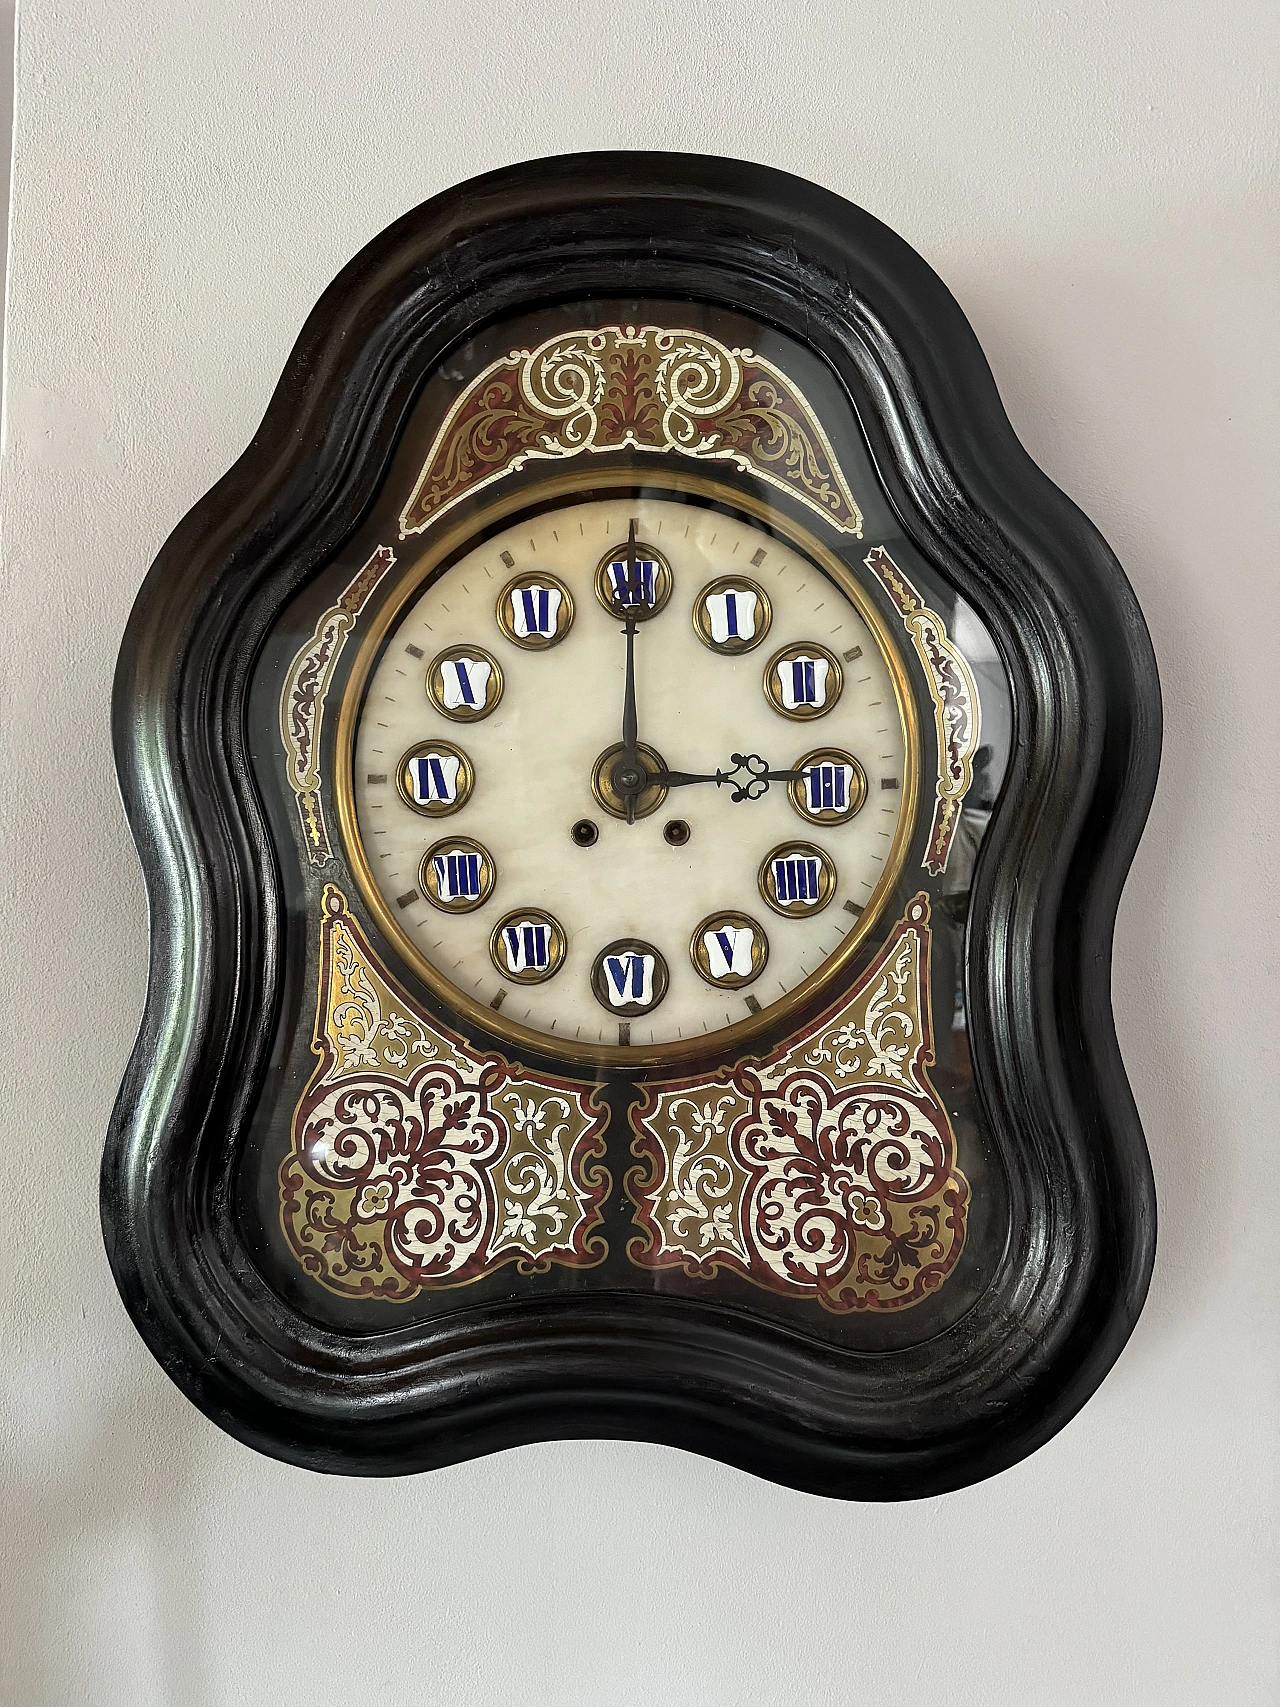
x: 1095, y: 182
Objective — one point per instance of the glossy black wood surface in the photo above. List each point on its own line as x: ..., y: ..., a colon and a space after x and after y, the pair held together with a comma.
x: 1074, y: 1272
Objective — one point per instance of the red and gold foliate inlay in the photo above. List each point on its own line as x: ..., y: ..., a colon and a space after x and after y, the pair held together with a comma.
x: 956, y: 706
x: 827, y: 1170
x: 669, y: 390
x: 303, y: 698
x: 418, y: 1163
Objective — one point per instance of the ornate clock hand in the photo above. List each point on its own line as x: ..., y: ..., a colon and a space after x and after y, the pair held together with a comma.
x: 629, y: 776
x: 749, y: 778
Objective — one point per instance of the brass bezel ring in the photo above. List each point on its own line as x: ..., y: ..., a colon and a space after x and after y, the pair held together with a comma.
x: 702, y: 960
x: 534, y: 642
x: 458, y: 844
x: 437, y: 808
x: 835, y: 680
x: 558, y: 948
x: 857, y: 786
x: 435, y: 684
x: 702, y: 621
x: 416, y: 573
x: 826, y: 883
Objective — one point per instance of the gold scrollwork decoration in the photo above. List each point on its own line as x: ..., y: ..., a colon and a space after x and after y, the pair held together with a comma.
x: 415, y: 1162
x: 303, y: 696
x: 826, y: 1171
x: 646, y: 388
x: 956, y: 708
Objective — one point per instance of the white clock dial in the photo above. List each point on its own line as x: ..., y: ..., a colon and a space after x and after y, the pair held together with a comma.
x: 475, y: 749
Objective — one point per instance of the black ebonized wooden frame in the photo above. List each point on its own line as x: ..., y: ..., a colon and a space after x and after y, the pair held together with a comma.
x: 1086, y: 745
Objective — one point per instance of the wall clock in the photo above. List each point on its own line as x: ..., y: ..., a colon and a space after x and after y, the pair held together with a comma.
x: 634, y: 769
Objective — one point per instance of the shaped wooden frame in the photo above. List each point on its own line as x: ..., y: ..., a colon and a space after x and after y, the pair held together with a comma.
x: 1074, y: 1271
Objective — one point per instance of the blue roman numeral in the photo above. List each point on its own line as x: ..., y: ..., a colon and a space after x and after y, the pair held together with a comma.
x: 537, y: 609
x: 796, y: 878
x: 637, y: 589
x: 430, y: 779
x: 624, y: 970
x: 458, y: 876
x: 804, y: 689
x: 527, y: 946
x: 827, y: 789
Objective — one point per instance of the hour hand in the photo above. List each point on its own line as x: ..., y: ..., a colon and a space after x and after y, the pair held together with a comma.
x: 749, y: 778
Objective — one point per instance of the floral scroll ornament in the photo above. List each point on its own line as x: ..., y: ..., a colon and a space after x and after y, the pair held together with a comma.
x: 827, y: 1170
x: 957, y: 713
x: 302, y: 701
x: 646, y: 388
x: 415, y: 1163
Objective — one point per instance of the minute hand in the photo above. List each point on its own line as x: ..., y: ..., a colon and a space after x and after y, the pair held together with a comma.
x: 629, y: 778
x: 749, y: 778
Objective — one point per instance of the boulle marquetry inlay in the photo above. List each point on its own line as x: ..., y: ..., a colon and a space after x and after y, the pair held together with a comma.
x: 418, y: 1162
x: 957, y: 712
x: 302, y: 700
x: 668, y: 390
x: 827, y: 1170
